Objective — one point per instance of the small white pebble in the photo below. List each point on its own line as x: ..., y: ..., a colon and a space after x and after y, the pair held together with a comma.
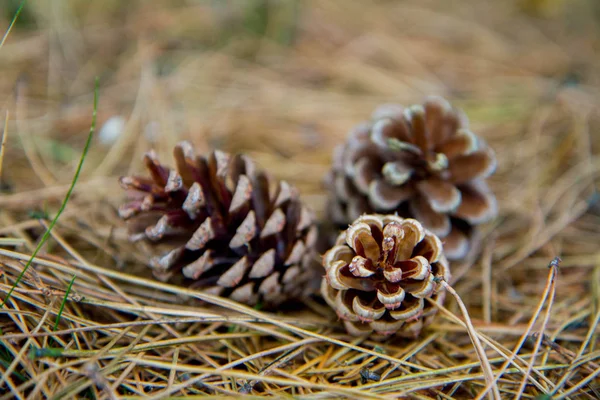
x: 111, y: 130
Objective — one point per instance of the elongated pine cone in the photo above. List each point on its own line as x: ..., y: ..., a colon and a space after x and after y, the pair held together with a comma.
x: 380, y: 271
x: 420, y: 162
x: 229, y: 228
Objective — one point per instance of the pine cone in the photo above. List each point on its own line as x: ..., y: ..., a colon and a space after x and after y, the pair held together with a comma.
x: 420, y: 162
x: 379, y: 273
x: 228, y: 227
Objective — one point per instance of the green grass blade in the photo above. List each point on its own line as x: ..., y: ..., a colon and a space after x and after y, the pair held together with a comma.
x: 12, y: 23
x: 5, y: 364
x: 35, y: 353
x: 65, y: 201
x: 64, y: 301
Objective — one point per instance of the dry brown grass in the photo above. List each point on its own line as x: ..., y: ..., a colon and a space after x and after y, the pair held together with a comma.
x: 285, y: 88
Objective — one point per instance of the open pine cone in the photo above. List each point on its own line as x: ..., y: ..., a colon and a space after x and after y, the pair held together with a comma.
x: 379, y: 273
x: 420, y: 162
x: 229, y: 229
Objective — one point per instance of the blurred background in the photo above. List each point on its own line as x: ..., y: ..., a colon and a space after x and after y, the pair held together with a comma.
x: 285, y: 80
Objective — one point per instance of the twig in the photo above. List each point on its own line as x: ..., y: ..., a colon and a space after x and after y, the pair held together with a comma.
x: 525, y: 335
x: 552, y: 291
x: 485, y: 364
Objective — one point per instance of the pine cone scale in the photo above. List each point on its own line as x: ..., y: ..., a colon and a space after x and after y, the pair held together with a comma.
x: 383, y: 196
x: 194, y: 202
x: 196, y: 268
x: 158, y: 173
x: 478, y: 203
x: 442, y: 196
x: 244, y: 232
x: 264, y: 265
x: 464, y: 168
x: 391, y: 296
x: 233, y: 276
x: 241, y: 195
x: 244, y: 294
x: 409, y: 309
x: 463, y: 143
x: 274, y: 224
x: 201, y: 236
x: 295, y: 255
x: 456, y: 244
x: 184, y: 163
x: 436, y: 222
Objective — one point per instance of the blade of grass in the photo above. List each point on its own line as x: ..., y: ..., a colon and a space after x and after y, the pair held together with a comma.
x: 65, y: 201
x: 485, y: 364
x: 12, y: 23
x: 62, y: 305
x: 6, y: 364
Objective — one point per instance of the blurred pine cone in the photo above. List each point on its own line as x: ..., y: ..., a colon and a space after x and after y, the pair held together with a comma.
x: 229, y: 228
x: 420, y: 162
x: 379, y: 273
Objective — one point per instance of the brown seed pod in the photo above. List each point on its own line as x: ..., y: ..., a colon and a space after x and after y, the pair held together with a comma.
x: 419, y: 162
x: 229, y: 228
x: 380, y: 271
